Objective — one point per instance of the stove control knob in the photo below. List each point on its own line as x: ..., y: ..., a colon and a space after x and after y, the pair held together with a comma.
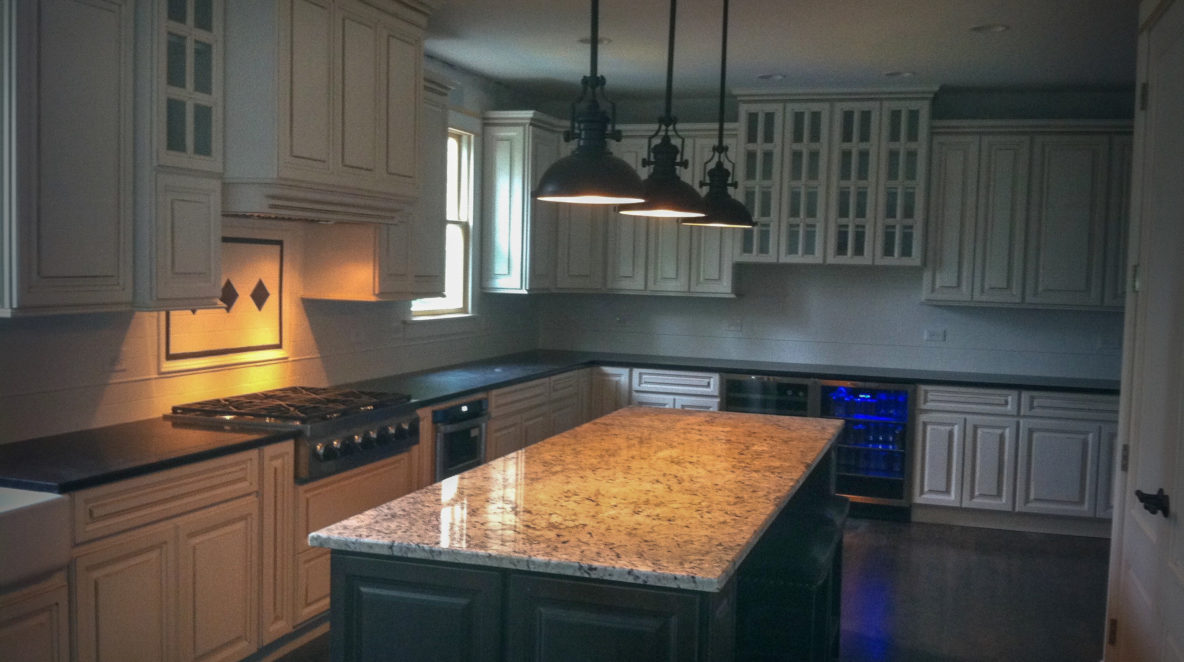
x: 367, y: 440
x: 385, y: 435
x: 342, y: 447
x: 323, y: 451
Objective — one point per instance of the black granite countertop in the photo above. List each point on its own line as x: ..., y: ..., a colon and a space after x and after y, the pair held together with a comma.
x: 75, y: 460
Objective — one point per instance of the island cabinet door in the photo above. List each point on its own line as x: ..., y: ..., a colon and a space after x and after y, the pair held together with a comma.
x: 558, y: 619
x: 397, y: 610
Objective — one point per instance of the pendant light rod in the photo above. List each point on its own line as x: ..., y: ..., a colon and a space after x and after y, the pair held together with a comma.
x: 668, y: 116
x: 723, y: 74
x: 595, y: 37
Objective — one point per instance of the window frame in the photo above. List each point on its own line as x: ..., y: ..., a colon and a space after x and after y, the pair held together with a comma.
x: 460, y: 125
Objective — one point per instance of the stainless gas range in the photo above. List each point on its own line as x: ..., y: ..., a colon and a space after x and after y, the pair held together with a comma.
x: 336, y: 429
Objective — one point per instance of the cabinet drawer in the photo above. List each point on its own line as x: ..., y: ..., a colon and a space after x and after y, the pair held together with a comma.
x: 109, y: 509
x: 676, y: 381
x: 653, y: 400
x: 968, y: 400
x: 1088, y: 406
x: 566, y: 385
x: 333, y: 499
x: 699, y: 403
x: 521, y: 396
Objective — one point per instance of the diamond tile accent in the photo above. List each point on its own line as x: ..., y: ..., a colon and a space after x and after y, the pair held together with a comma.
x: 260, y: 294
x: 229, y: 295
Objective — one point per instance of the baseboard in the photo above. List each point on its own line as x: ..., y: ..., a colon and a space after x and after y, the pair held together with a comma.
x: 988, y: 519
x: 293, y: 640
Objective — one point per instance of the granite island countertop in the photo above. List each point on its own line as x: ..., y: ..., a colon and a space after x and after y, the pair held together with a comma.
x: 648, y: 496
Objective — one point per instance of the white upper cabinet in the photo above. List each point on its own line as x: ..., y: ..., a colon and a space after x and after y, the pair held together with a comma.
x: 179, y: 117
x: 324, y: 103
x: 518, y: 242
x: 66, y: 150
x: 834, y: 178
x: 1028, y: 214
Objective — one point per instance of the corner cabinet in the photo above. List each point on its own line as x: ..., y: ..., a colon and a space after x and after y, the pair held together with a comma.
x: 180, y: 49
x: 834, y: 178
x: 1028, y: 214
x: 324, y: 103
x: 66, y: 154
x: 518, y: 243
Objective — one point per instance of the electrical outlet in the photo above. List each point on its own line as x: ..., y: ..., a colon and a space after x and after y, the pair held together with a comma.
x: 935, y: 335
x: 735, y: 325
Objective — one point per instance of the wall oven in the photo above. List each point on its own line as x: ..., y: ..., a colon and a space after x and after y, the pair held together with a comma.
x: 460, y: 437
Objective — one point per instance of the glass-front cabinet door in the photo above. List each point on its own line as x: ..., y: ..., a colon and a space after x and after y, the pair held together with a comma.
x: 803, y: 231
x: 904, y: 143
x: 189, y: 102
x: 854, y: 153
x: 759, y: 165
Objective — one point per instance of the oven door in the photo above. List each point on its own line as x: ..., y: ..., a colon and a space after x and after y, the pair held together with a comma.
x: 459, y: 446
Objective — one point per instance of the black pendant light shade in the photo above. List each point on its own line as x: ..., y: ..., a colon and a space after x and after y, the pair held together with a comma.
x: 666, y: 195
x: 722, y: 209
x: 591, y: 174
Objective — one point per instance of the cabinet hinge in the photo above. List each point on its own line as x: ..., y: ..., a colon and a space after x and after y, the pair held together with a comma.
x: 1112, y: 632
x: 1143, y: 96
x: 1126, y: 457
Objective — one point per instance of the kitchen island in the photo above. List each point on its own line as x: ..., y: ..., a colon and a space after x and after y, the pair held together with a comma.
x: 619, y: 538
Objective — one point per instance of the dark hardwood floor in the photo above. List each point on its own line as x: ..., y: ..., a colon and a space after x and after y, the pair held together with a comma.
x: 929, y: 593
x: 933, y: 593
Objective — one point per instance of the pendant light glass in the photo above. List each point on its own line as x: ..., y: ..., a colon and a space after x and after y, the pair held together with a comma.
x: 666, y: 195
x: 591, y: 174
x: 722, y: 209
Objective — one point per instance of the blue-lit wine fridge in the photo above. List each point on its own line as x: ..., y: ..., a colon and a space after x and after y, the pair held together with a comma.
x: 873, y: 455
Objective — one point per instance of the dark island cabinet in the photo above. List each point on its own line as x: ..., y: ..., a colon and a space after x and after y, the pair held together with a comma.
x: 396, y: 610
x: 411, y: 610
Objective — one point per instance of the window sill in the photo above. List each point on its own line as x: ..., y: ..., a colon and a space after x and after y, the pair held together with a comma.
x: 435, y: 326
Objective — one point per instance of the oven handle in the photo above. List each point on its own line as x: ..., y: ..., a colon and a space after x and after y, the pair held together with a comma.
x: 446, y: 428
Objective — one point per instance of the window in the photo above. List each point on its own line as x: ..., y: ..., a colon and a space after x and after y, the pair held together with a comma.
x: 459, y: 213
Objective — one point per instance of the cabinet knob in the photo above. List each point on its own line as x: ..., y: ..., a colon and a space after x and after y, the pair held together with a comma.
x: 1155, y: 503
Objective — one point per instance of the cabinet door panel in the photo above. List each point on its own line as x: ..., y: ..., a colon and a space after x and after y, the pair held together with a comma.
x: 989, y: 466
x: 711, y: 260
x: 900, y: 211
x: 580, y: 247
x: 610, y: 390
x: 954, y: 190
x: 1066, y: 224
x: 1002, y: 219
x: 758, y: 171
x: 854, y: 174
x: 806, y: 175
x: 357, y: 105
x: 625, y: 249
x: 124, y: 598
x: 939, y: 460
x: 74, y: 195
x: 427, y: 234
x: 669, y: 256
x: 218, y: 597
x: 504, y: 435
x: 308, y: 115
x: 403, y: 73
x: 1057, y: 472
x: 188, y: 237
x: 35, y: 622
x: 503, y: 259
x: 393, y: 259
x: 536, y: 425
x: 542, y: 228
x: 277, y: 518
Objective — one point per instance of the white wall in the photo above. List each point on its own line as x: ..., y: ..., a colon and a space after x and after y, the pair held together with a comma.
x: 831, y: 315
x: 69, y: 372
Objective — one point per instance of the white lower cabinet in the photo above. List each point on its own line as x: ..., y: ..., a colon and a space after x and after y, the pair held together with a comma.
x: 1053, y: 455
x: 609, y: 390
x: 528, y: 413
x: 675, y: 389
x: 35, y: 621
x: 1058, y: 467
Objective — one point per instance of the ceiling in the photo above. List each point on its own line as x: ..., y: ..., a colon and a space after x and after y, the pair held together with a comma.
x: 532, y: 45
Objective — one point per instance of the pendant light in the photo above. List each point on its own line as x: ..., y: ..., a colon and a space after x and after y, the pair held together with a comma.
x: 722, y: 209
x: 591, y: 175
x: 666, y: 196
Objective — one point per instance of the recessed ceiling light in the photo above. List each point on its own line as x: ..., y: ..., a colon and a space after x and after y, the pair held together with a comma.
x: 771, y: 76
x: 899, y: 74
x: 602, y: 41
x: 990, y: 27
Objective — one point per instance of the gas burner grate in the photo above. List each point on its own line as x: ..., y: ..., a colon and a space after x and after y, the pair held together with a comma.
x: 294, y: 404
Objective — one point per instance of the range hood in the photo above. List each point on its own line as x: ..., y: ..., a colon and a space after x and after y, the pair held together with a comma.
x: 323, y: 110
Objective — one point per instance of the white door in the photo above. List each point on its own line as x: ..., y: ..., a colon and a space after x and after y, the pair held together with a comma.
x: 1146, y: 604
